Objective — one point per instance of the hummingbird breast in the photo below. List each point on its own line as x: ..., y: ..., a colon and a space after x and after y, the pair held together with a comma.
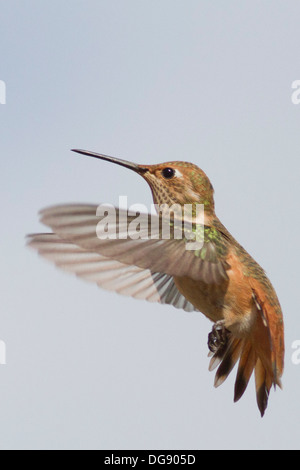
x: 231, y: 300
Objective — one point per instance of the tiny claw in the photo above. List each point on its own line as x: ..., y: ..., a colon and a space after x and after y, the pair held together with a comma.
x: 218, y: 338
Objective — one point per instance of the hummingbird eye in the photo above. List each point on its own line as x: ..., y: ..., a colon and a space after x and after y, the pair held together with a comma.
x: 168, y: 173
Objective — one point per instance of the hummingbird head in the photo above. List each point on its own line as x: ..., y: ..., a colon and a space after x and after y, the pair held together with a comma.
x: 179, y: 183
x: 172, y: 182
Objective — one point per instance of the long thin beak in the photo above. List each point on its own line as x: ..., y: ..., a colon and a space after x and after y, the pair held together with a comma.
x: 132, y: 166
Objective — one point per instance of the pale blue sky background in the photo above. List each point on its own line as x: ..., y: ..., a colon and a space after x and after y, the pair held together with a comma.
x: 149, y: 81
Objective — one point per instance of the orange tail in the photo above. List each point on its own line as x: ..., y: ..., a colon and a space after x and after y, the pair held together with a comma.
x: 256, y: 353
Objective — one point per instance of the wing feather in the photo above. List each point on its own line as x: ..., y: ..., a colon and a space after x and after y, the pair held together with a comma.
x: 108, y: 273
x: 152, y: 250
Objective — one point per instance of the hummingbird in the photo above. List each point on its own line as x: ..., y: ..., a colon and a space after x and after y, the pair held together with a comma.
x: 220, y: 279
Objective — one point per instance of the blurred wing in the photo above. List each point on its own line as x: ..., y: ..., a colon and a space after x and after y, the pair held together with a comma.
x: 110, y: 274
x: 80, y: 225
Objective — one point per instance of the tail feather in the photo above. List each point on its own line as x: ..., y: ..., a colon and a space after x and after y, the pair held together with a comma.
x: 263, y: 383
x: 245, y: 370
x: 229, y: 360
x: 249, y: 361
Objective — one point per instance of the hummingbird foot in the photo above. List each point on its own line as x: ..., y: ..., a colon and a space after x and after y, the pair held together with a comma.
x: 218, y: 338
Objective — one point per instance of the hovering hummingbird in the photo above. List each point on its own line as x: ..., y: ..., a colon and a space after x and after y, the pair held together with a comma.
x: 221, y: 279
